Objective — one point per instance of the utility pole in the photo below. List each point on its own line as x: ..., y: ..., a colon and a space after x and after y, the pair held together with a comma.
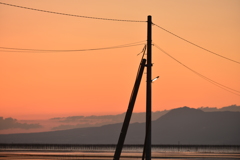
x: 128, y: 115
x: 147, y: 144
x: 149, y: 90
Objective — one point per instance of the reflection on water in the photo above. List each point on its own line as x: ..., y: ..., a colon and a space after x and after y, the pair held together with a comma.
x: 28, y: 155
x: 106, y: 152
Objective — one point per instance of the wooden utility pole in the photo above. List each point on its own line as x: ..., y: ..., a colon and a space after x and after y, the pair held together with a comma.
x: 149, y: 91
x: 128, y: 115
x: 147, y: 144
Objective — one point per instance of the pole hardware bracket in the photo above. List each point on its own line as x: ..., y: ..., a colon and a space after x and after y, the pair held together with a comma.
x: 146, y: 65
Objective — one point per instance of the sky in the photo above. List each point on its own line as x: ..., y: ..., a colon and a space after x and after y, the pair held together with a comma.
x: 40, y: 85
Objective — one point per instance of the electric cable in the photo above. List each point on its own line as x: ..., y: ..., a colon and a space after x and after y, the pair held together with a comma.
x: 143, y: 51
x: 8, y: 49
x: 67, y: 14
x: 236, y: 92
x: 195, y: 44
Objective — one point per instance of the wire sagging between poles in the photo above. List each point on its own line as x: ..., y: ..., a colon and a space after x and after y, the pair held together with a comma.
x: 67, y: 14
x: 195, y: 44
x: 236, y: 92
x: 8, y: 49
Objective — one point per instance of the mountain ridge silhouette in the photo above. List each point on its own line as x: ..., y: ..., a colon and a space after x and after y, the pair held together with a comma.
x: 182, y: 125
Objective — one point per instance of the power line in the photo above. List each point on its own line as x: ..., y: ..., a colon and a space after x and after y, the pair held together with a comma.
x: 236, y: 92
x: 195, y: 44
x: 143, y: 51
x: 8, y: 49
x: 67, y: 14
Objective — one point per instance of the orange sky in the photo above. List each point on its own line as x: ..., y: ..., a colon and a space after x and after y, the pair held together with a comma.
x: 44, y: 85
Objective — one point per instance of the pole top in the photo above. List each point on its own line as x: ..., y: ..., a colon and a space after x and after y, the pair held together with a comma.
x: 149, y: 18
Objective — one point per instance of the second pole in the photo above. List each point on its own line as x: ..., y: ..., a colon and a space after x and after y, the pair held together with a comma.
x: 149, y: 90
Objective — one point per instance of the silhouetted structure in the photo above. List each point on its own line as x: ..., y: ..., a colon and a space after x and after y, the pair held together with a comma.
x: 129, y: 111
x: 128, y: 147
x: 147, y: 143
x: 148, y: 138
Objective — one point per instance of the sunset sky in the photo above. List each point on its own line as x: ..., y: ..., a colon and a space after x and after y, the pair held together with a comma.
x: 39, y: 85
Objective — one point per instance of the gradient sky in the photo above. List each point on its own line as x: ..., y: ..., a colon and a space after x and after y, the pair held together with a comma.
x: 44, y: 85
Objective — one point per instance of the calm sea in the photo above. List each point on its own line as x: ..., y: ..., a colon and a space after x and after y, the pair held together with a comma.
x: 33, y: 155
x: 106, y: 152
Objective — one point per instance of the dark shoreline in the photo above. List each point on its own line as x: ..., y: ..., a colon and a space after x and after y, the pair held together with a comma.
x: 112, y: 147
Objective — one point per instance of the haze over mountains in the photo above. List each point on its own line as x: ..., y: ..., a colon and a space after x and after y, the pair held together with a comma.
x: 11, y: 125
x: 182, y: 125
x: 94, y: 121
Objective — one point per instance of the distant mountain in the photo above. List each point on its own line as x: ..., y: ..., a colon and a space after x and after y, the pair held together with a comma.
x: 232, y: 108
x: 183, y: 125
x: 11, y: 125
x: 193, y: 126
x: 96, y: 121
